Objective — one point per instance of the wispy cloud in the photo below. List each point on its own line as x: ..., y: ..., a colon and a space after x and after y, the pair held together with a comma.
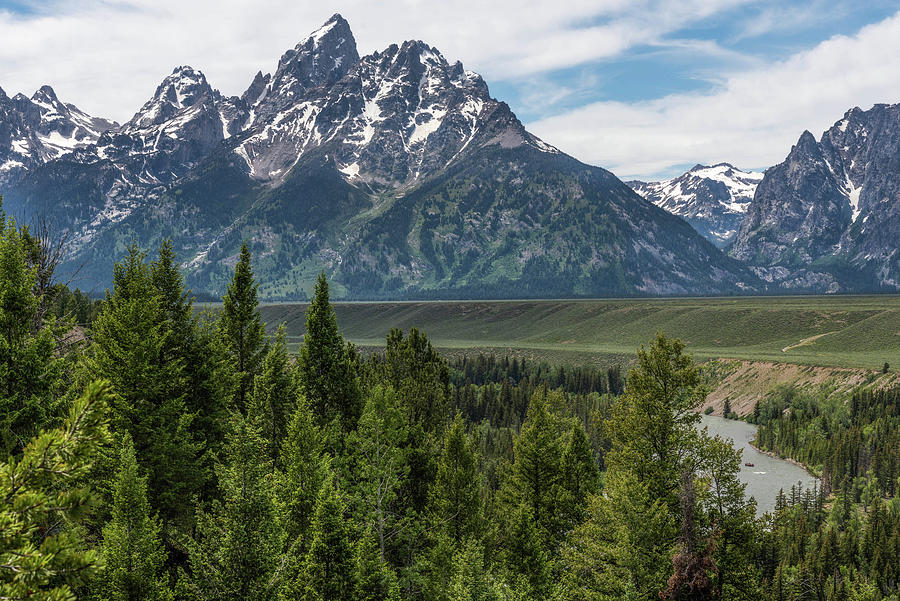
x: 107, y: 56
x: 750, y: 120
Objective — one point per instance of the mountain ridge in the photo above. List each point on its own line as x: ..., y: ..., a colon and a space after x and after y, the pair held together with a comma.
x: 827, y: 218
x: 396, y: 171
x: 712, y: 198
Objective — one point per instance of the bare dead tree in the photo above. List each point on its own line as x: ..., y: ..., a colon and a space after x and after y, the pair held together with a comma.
x: 693, y: 564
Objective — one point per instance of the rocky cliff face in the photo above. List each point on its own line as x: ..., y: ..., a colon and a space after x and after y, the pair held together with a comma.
x: 37, y: 130
x: 713, y: 199
x: 396, y: 172
x: 828, y: 217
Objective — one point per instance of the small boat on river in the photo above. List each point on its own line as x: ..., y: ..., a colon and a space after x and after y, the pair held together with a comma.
x: 748, y: 464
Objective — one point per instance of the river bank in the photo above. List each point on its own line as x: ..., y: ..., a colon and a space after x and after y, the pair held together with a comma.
x: 768, y: 473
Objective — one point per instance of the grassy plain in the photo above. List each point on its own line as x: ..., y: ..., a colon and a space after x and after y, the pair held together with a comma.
x: 842, y: 331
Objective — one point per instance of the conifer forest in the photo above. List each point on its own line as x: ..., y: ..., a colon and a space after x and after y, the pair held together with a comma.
x: 154, y: 449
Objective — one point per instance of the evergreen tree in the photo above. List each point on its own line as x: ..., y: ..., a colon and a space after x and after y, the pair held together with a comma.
x: 192, y: 343
x: 304, y: 469
x: 274, y: 396
x: 28, y: 368
x: 581, y: 477
x: 420, y: 376
x: 134, y: 556
x: 236, y: 554
x: 132, y: 350
x: 526, y: 560
x: 327, y: 365
x: 455, y: 497
x: 40, y: 487
x: 374, y: 580
x: 470, y: 580
x: 727, y: 507
x: 242, y: 329
x: 328, y: 572
x: 379, y: 468
x: 537, y: 471
x: 652, y: 426
x: 175, y: 302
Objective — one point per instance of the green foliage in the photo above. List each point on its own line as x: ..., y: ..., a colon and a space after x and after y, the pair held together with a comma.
x: 29, y: 369
x: 135, y: 349
x: 536, y: 477
x: 326, y: 364
x: 420, y: 376
x: 350, y: 479
x: 242, y: 329
x: 304, y: 469
x: 653, y: 425
x: 374, y: 580
x: 455, y: 497
x: 470, y: 580
x: 236, y: 554
x: 379, y: 466
x: 42, y: 558
x: 844, y: 439
x: 328, y: 571
x: 274, y: 396
x: 132, y: 549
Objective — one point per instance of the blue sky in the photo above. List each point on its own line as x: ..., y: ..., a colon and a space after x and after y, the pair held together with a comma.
x: 645, y: 88
x: 692, y: 58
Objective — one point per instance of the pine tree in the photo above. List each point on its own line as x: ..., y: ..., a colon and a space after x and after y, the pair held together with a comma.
x: 28, y: 368
x: 242, y: 329
x: 374, y: 580
x: 470, y: 580
x: 581, y: 476
x: 328, y: 571
x: 40, y: 487
x: 304, y: 468
x: 195, y: 346
x: 236, y: 553
x: 134, y: 556
x: 380, y: 467
x: 455, y: 497
x: 537, y: 472
x: 131, y: 348
x: 525, y: 557
x: 420, y: 376
x: 274, y: 396
x: 652, y: 426
x: 326, y: 364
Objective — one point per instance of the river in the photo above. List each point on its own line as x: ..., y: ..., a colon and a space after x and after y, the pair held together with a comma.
x: 768, y: 474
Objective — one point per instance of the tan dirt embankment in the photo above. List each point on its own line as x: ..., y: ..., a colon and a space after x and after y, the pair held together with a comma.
x: 744, y: 383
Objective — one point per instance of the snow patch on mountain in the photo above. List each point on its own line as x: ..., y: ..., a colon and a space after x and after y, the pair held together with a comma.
x: 712, y: 198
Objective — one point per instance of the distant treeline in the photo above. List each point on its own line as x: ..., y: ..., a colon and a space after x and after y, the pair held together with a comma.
x: 844, y: 441
x: 491, y: 369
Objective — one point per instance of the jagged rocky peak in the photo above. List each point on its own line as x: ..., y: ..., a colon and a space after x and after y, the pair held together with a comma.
x: 47, y: 128
x: 712, y: 198
x: 322, y: 58
x: 828, y: 217
x: 184, y: 88
x: 258, y: 86
x: 394, y: 116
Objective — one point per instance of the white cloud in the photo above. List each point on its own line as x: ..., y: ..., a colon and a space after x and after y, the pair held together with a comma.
x: 108, y: 56
x: 751, y: 119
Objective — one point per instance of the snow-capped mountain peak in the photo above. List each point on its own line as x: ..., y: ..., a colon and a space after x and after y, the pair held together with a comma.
x: 390, y: 117
x: 323, y: 57
x: 184, y: 88
x: 712, y: 198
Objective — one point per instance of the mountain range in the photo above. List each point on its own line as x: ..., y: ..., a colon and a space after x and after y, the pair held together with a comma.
x: 400, y: 176
x: 713, y: 199
x: 827, y: 219
x: 396, y: 172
